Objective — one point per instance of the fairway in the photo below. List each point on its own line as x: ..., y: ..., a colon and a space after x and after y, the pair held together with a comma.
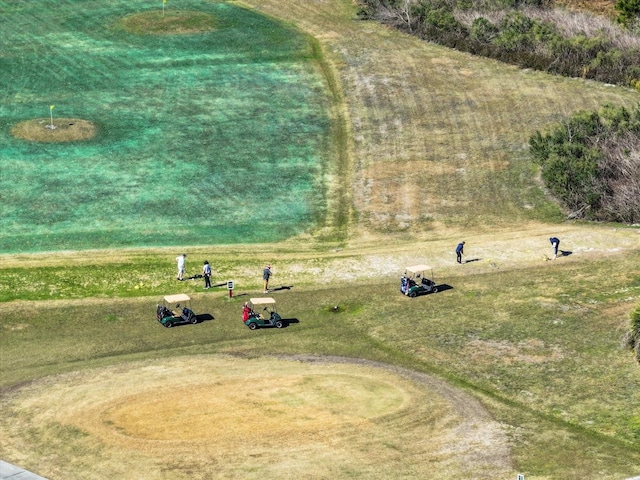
x: 201, y: 138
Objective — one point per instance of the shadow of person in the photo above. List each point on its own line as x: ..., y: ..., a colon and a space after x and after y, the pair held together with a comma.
x: 565, y: 253
x: 469, y: 260
x: 282, y: 287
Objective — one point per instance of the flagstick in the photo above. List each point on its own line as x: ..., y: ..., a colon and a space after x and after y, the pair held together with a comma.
x: 51, y: 126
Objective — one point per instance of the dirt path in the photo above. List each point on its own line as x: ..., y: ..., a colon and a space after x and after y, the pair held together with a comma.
x: 484, y: 252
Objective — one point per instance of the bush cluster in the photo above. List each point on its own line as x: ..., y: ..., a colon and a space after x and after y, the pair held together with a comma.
x: 632, y: 339
x: 591, y: 162
x: 520, y: 32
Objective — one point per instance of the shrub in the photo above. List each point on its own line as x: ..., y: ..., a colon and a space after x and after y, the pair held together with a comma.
x: 589, y: 163
x: 628, y: 11
x: 632, y: 338
x: 482, y: 30
x: 441, y: 19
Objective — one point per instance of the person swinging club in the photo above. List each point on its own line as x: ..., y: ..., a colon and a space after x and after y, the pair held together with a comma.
x: 459, y: 252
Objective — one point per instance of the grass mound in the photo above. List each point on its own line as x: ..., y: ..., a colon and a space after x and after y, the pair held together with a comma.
x: 236, y: 417
x: 65, y: 130
x: 171, y: 22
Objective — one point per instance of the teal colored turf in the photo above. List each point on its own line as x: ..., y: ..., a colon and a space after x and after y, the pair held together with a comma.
x: 212, y: 138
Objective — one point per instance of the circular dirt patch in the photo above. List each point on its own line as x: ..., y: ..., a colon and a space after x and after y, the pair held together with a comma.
x: 65, y: 130
x: 226, y: 417
x: 173, y: 22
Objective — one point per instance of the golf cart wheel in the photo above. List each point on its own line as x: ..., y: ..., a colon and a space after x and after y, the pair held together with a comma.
x: 253, y: 326
x: 168, y: 324
x: 194, y: 320
x: 279, y: 324
x: 413, y: 294
x: 434, y: 290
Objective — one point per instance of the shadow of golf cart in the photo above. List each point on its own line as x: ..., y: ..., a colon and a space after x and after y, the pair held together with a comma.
x: 415, y: 281
x: 175, y: 310
x: 264, y: 314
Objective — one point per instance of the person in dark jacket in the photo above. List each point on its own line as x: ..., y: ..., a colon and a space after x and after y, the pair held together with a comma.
x: 555, y: 243
x: 459, y: 252
x: 206, y: 273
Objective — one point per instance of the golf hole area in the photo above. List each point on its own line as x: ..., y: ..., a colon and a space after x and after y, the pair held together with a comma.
x: 228, y: 417
x: 62, y: 130
x: 168, y: 22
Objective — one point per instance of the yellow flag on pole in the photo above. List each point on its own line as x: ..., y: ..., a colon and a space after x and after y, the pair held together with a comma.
x: 51, y: 107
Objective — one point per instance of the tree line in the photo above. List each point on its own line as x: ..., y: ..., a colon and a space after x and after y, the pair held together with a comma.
x: 527, y: 33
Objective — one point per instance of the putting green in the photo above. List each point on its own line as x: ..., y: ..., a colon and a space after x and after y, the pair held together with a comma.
x: 214, y: 137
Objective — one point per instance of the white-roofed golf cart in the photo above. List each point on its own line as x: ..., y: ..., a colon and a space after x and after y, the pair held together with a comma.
x: 175, y: 309
x: 415, y: 281
x: 263, y: 314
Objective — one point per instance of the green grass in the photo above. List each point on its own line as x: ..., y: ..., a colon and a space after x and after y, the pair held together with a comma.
x: 545, y: 356
x: 217, y: 137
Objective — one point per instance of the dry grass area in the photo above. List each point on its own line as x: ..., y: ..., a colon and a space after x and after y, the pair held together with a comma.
x: 169, y: 22
x: 600, y: 7
x: 226, y: 417
x: 439, y: 139
x: 66, y: 130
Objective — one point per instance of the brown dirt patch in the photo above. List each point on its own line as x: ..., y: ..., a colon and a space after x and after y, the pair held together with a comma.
x: 199, y: 417
x: 66, y: 130
x: 528, y: 351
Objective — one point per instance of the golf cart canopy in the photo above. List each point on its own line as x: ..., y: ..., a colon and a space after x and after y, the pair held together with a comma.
x: 262, y: 301
x: 418, y: 269
x: 180, y: 297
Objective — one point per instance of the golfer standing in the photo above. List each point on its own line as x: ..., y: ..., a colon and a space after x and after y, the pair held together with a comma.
x: 266, y: 274
x: 181, y: 260
x: 459, y: 252
x: 555, y: 243
x: 206, y: 273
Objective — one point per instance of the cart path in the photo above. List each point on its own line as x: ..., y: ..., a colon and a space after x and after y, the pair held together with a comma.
x: 299, y: 262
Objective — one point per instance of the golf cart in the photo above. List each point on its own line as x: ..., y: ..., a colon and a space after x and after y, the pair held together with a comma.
x: 175, y: 309
x: 263, y: 314
x: 414, y: 281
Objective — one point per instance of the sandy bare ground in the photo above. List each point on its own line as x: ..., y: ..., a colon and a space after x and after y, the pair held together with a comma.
x: 227, y: 417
